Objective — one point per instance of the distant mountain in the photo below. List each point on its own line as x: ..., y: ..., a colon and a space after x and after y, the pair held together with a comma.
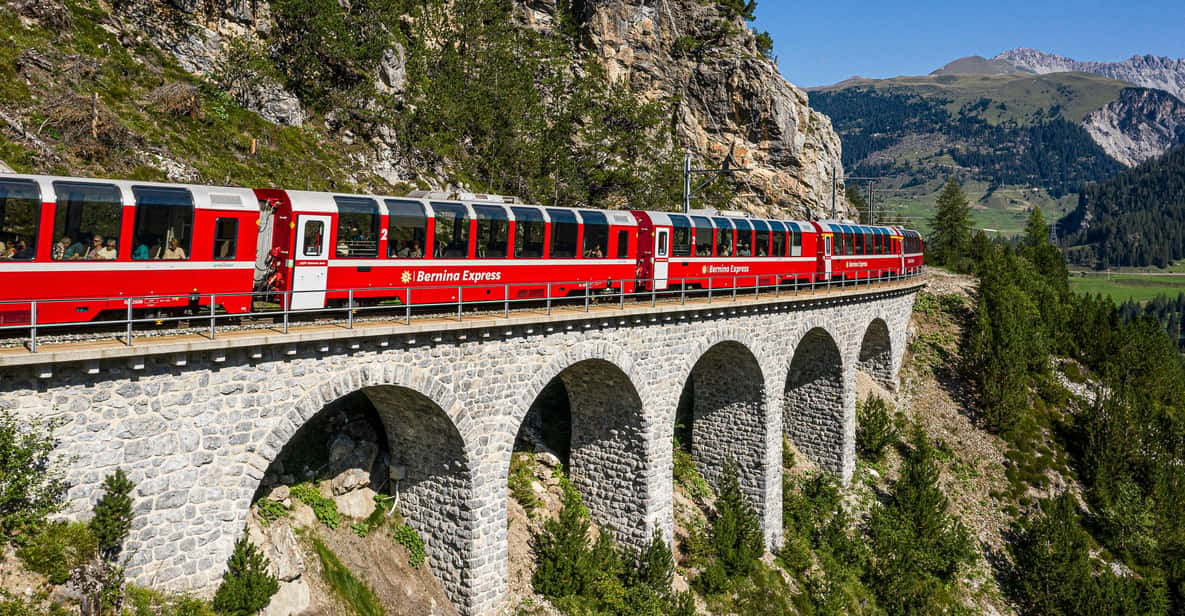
x: 979, y: 65
x: 1157, y: 72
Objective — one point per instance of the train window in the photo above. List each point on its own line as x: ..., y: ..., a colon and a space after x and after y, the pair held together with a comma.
x: 357, y: 228
x: 314, y: 234
x: 623, y: 244
x: 596, y: 235
x: 88, y: 216
x: 493, y: 232
x: 724, y: 237
x: 744, y: 238
x: 20, y: 209
x: 703, y: 236
x: 680, y: 236
x: 164, y: 223
x: 849, y: 240
x: 564, y: 234
x: 779, y: 238
x: 761, y: 245
x: 226, y: 235
x: 407, y: 229
x: 452, y: 230
x: 795, y: 241
x: 529, y: 230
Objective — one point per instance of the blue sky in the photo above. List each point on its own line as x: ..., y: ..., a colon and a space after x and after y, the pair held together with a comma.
x: 820, y: 43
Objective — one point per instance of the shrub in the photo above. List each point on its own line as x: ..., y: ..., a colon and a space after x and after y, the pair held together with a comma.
x: 765, y: 43
x: 323, y: 507
x: 31, y: 480
x: 688, y: 477
x: 113, y: 515
x: 58, y: 549
x: 407, y: 536
x: 874, y: 428
x: 247, y: 586
x: 520, y: 480
x: 656, y: 566
x: 147, y: 602
x: 270, y: 510
x: 562, y: 549
x: 16, y: 605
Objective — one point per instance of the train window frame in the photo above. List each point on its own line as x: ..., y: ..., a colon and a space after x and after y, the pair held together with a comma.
x: 221, y: 242
x: 703, y: 229
x: 492, y: 240
x: 530, y: 229
x: 450, y: 241
x: 318, y: 240
x: 596, y: 229
x: 680, y: 236
x: 743, y: 230
x: 11, y: 238
x: 725, y: 231
x: 399, y: 212
x: 795, y: 248
x: 565, y: 233
x: 623, y: 244
x: 365, y: 213
x: 65, y: 212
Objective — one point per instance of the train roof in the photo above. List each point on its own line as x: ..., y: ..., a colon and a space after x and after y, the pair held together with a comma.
x: 204, y: 197
x: 675, y: 219
x: 325, y: 202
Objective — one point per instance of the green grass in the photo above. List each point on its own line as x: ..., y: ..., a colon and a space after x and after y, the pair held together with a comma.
x: 1005, y: 211
x: 354, y: 592
x: 1122, y: 287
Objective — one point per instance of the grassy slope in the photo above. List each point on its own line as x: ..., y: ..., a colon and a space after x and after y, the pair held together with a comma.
x: 1134, y: 286
x: 214, y: 141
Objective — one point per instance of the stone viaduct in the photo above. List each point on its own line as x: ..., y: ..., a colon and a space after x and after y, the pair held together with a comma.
x: 196, y: 422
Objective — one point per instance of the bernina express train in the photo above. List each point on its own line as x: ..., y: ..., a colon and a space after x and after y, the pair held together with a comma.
x: 174, y: 247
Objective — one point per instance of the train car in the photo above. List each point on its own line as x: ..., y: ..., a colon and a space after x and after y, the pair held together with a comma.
x: 424, y: 250
x: 161, y: 245
x: 852, y: 252
x: 713, y: 251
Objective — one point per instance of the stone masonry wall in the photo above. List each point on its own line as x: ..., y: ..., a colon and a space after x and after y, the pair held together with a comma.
x: 197, y: 433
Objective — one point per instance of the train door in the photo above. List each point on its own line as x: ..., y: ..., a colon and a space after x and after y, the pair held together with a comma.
x: 310, y: 265
x: 827, y: 256
x: 662, y: 252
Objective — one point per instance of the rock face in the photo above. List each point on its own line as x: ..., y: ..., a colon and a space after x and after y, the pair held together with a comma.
x: 731, y: 99
x: 1140, y: 124
x: 1157, y: 72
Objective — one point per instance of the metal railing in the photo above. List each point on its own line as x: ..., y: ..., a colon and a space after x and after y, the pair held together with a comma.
x: 399, y: 303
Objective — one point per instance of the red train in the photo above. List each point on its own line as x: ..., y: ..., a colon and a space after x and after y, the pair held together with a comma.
x: 161, y: 248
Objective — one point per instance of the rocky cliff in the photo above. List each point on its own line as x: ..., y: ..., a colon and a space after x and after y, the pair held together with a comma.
x: 1139, y: 125
x: 354, y: 108
x: 1156, y: 72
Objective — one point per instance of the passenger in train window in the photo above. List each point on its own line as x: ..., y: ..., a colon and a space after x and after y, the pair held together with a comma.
x: 141, y: 252
x: 343, y: 250
x: 60, y: 248
x: 77, y: 250
x: 174, y: 251
x: 594, y: 253
x: 6, y: 252
x: 109, y: 251
x: 96, y: 247
x: 23, y: 250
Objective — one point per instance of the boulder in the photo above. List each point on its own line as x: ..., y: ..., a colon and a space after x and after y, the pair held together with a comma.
x: 302, y: 516
x: 278, y: 544
x: 393, y: 69
x: 292, y: 598
x: 280, y: 493
x: 350, y: 480
x: 340, y: 448
x: 548, y: 459
x: 357, y: 504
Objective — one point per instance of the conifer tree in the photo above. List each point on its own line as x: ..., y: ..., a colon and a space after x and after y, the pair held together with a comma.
x: 113, y: 515
x: 656, y: 565
x: 736, y: 532
x: 562, y: 549
x: 950, y: 239
x: 917, y: 546
x: 247, y: 586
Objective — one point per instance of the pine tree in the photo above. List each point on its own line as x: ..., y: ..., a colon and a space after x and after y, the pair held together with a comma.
x: 113, y: 515
x: 247, y: 586
x: 918, y: 547
x: 656, y: 565
x: 950, y: 240
x: 736, y: 531
x: 562, y: 549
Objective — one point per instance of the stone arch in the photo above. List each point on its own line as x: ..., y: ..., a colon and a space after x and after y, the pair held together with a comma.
x: 819, y: 406
x: 730, y: 418
x: 430, y: 459
x: 611, y: 459
x: 875, y: 355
